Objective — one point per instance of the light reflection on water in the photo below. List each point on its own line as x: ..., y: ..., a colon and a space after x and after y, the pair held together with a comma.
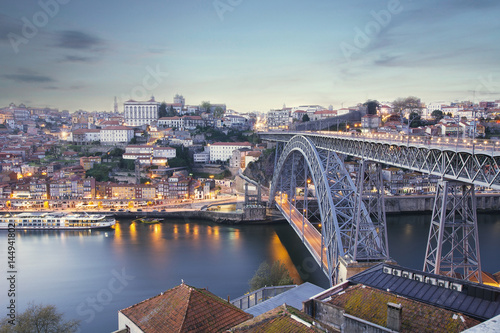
x: 67, y: 267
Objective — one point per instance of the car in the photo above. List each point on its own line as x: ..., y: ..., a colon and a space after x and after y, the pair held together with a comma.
x: 121, y: 210
x: 139, y: 210
x: 155, y: 211
x: 163, y: 210
x: 112, y: 210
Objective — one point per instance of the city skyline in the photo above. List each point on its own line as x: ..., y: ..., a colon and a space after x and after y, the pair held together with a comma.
x: 249, y: 55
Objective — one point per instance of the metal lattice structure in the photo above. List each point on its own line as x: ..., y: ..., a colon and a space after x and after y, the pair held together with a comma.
x: 469, y: 163
x: 302, y: 169
x: 354, y: 222
x: 453, y: 244
x: 370, y: 231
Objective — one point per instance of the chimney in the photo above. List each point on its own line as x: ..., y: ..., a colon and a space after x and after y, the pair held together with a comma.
x: 394, y: 316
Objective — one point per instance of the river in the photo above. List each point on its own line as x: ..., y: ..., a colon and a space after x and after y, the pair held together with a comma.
x: 90, y: 275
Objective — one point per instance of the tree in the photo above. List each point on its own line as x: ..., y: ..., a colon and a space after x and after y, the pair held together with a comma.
x: 218, y: 112
x: 275, y: 275
x: 205, y: 106
x: 408, y: 104
x: 171, y: 111
x: 305, y: 118
x: 100, y: 172
x: 117, y: 152
x: 372, y: 106
x: 437, y: 114
x: 414, y: 120
x: 162, y: 111
x: 39, y: 319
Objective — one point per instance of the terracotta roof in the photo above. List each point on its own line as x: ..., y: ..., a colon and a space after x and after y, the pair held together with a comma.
x: 116, y: 128
x: 85, y: 130
x: 231, y: 144
x: 185, y: 309
x: 371, y: 304
x: 281, y: 319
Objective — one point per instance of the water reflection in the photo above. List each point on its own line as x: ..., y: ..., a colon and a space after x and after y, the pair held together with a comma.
x: 279, y: 252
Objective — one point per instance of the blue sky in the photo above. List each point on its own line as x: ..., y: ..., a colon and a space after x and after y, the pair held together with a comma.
x: 251, y: 55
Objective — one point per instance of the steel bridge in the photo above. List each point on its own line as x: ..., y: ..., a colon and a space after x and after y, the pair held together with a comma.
x: 314, y: 191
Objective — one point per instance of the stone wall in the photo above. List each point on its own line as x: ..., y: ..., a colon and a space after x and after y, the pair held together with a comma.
x: 408, y: 203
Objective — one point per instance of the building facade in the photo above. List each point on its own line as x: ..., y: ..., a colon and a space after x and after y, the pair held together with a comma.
x: 141, y: 113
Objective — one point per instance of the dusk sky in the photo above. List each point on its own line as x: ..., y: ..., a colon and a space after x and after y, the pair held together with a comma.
x: 250, y: 55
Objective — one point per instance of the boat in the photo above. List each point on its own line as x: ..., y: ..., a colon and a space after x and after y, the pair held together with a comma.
x: 55, y: 221
x: 149, y: 220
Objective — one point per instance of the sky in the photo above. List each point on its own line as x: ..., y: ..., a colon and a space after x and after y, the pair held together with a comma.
x: 251, y: 55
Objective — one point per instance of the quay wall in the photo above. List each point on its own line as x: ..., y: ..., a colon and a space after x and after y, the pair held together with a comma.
x: 242, y: 216
x: 408, y: 203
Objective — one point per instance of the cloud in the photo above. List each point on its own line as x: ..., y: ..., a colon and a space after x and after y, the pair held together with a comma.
x: 28, y: 78
x: 78, y: 40
x: 158, y: 50
x: 74, y: 58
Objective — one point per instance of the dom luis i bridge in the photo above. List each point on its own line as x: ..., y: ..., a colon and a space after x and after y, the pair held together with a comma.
x: 311, y: 187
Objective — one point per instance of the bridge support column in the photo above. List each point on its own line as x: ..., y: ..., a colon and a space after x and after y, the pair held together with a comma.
x: 370, y: 235
x: 453, y: 243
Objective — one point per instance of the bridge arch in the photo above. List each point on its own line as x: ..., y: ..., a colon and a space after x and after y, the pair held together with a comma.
x: 315, y: 164
x: 337, y: 198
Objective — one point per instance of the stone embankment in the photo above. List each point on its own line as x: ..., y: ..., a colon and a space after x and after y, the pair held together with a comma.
x: 247, y: 215
x: 422, y: 203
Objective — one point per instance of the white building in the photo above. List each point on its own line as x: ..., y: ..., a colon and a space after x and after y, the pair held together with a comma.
x: 370, y: 122
x: 278, y: 119
x: 173, y: 122
x: 166, y: 152
x: 84, y: 136
x: 138, y: 149
x: 201, y: 157
x: 141, y: 113
x: 222, y: 151
x: 116, y: 134
x: 133, y: 152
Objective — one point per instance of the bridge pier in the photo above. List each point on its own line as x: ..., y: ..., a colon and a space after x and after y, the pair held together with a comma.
x: 453, y: 243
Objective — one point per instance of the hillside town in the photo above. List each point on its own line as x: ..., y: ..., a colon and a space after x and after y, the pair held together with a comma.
x: 169, y: 152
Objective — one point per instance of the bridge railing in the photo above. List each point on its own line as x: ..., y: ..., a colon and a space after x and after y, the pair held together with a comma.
x: 260, y: 295
x: 449, y: 142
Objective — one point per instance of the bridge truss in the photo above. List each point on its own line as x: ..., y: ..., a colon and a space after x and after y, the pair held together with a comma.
x: 312, y: 185
x: 353, y: 217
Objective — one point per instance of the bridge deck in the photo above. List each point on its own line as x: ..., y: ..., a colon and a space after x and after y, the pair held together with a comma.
x: 309, y: 235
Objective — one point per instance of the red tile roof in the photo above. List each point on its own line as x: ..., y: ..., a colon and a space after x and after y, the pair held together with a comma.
x: 116, y: 128
x: 185, y: 309
x: 231, y: 144
x: 281, y: 319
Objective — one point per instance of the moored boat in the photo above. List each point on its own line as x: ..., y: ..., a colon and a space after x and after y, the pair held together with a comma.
x: 55, y: 220
x: 149, y: 220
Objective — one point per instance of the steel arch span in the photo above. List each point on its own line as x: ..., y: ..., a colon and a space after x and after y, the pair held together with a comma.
x: 312, y: 185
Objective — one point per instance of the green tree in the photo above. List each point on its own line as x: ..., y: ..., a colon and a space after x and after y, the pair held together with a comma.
x: 266, y: 275
x: 171, y: 111
x: 205, y: 106
x: 162, y: 111
x: 117, y: 152
x: 100, y: 172
x: 437, y: 114
x: 218, y: 112
x: 305, y: 118
x: 39, y: 319
x: 415, y: 120
x: 372, y: 106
